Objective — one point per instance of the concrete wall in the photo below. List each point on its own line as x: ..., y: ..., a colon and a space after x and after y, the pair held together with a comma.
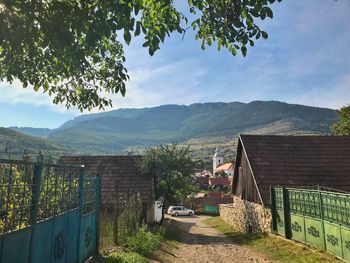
x: 246, y: 216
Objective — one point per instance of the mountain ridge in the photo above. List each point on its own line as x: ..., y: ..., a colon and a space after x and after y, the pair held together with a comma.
x: 120, y: 130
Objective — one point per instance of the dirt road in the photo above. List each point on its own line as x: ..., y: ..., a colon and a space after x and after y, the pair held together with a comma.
x: 203, y: 244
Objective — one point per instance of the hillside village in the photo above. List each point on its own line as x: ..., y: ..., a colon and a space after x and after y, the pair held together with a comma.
x: 249, y: 190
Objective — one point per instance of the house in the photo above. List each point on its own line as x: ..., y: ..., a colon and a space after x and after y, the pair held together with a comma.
x: 219, y: 182
x: 202, y: 181
x: 220, y: 167
x: 202, y: 178
x: 120, y: 180
x: 263, y: 161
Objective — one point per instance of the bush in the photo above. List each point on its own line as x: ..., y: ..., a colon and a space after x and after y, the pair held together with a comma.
x: 129, y: 220
x: 144, y: 241
x: 168, y: 231
x: 125, y: 257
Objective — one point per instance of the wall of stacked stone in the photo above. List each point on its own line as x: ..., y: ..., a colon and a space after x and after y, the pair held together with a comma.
x: 246, y: 216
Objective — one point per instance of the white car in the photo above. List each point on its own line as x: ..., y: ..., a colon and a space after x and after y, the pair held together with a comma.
x: 180, y: 211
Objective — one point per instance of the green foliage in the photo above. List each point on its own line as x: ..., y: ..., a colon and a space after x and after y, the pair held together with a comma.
x: 130, y: 219
x: 73, y: 49
x: 106, y: 230
x: 15, y: 199
x: 167, y: 231
x: 16, y: 141
x: 144, y: 242
x: 173, y: 169
x: 57, y: 194
x: 125, y: 257
x: 342, y: 126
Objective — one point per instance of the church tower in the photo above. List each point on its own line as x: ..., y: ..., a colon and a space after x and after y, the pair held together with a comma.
x: 217, y: 159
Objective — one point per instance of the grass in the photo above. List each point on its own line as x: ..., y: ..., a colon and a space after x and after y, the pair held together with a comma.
x: 125, y: 257
x: 146, y: 245
x: 106, y: 229
x: 275, y: 248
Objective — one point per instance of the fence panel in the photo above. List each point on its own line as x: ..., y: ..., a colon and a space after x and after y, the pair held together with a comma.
x: 211, y: 209
x: 279, y: 211
x: 41, y: 216
x: 318, y: 218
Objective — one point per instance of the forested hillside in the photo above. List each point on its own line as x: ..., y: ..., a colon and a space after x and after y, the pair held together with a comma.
x: 201, y: 125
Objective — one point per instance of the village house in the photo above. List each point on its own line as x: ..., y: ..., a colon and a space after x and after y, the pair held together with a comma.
x: 120, y: 179
x: 295, y: 161
x: 221, y: 184
x: 220, y: 167
x: 202, y: 178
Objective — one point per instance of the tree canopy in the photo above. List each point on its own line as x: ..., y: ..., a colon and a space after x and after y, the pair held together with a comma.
x: 172, y: 168
x: 342, y: 126
x: 73, y: 50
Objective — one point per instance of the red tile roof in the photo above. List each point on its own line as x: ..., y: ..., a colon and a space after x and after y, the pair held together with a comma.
x: 224, y: 167
x: 219, y: 181
x: 216, y: 194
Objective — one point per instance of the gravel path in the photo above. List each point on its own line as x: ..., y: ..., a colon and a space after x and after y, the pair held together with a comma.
x: 203, y: 244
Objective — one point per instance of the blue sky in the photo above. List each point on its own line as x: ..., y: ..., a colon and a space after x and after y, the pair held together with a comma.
x: 306, y: 60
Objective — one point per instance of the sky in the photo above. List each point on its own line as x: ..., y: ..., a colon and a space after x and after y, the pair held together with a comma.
x: 306, y: 60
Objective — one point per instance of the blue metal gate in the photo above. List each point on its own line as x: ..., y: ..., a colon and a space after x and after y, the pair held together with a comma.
x: 48, y: 213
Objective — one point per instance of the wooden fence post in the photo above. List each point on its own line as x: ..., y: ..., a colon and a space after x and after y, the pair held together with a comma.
x: 286, y: 212
x: 273, y: 208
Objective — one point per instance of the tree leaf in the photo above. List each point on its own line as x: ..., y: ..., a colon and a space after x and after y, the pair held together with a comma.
x: 127, y: 36
x: 264, y: 35
x: 244, y: 51
x: 138, y: 29
x: 269, y: 12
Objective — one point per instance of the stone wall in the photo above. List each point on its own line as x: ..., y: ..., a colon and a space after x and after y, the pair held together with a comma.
x: 246, y: 216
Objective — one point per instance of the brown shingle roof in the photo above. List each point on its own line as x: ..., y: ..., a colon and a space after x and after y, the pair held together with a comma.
x: 298, y: 161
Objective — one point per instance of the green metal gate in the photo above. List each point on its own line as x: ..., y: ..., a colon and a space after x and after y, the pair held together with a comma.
x: 211, y: 209
x: 318, y: 218
x: 48, y: 213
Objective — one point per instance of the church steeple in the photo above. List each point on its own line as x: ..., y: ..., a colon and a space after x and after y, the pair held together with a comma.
x: 217, y: 159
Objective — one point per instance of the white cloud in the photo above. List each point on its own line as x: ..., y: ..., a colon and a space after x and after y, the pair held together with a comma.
x: 336, y: 96
x: 14, y: 93
x: 173, y: 83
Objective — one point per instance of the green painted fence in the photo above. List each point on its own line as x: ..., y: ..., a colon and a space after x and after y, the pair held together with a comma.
x: 48, y: 213
x: 319, y: 218
x: 211, y: 209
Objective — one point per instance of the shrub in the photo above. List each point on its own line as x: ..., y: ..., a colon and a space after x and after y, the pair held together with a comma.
x: 168, y: 231
x: 129, y: 220
x: 125, y: 257
x: 144, y: 241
